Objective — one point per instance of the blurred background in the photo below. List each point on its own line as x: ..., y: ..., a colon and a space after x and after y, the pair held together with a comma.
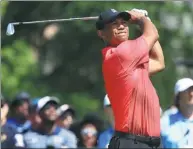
x: 64, y: 59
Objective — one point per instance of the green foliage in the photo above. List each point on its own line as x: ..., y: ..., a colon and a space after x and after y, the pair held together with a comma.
x: 3, y: 5
x: 84, y: 103
x: 18, y: 69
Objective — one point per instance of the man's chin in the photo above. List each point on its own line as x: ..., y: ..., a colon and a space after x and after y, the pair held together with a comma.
x: 118, y: 41
x: 122, y: 40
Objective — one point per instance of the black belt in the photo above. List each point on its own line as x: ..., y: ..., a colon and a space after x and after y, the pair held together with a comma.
x: 151, y: 141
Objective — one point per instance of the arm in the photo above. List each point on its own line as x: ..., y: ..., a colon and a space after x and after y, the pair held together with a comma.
x: 149, y: 31
x: 135, y: 52
x: 156, y: 59
x: 70, y: 140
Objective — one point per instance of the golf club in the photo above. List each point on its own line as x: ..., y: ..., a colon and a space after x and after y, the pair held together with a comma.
x: 11, y: 30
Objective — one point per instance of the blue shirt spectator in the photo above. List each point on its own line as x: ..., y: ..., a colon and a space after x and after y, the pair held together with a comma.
x: 177, y: 122
x: 47, y: 134
x: 105, y: 137
x: 19, y: 112
x: 21, y: 128
x: 10, y: 138
x: 176, y: 131
x: 58, y: 139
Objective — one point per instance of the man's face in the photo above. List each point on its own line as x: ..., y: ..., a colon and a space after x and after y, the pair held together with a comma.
x: 186, y: 97
x: 89, y: 134
x: 48, y: 113
x: 35, y: 119
x: 116, y: 32
x: 22, y: 109
x: 4, y: 111
x: 66, y: 121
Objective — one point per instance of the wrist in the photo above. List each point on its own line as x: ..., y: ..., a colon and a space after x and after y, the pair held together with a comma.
x: 142, y: 19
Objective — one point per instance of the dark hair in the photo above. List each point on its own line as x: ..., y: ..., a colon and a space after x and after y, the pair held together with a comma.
x: 91, y: 118
x: 16, y: 103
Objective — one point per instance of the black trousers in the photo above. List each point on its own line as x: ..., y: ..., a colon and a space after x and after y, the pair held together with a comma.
x: 125, y: 140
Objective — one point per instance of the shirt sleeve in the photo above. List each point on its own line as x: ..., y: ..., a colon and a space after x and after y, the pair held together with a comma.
x: 71, y: 140
x: 132, y: 53
x: 165, y: 125
x: 102, y: 143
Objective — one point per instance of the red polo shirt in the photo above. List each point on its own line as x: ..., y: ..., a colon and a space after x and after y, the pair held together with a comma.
x: 133, y: 98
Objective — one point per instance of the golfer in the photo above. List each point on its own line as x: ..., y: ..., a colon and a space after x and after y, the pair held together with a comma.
x: 127, y: 66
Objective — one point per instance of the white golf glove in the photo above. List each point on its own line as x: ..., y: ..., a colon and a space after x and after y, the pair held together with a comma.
x: 142, y: 11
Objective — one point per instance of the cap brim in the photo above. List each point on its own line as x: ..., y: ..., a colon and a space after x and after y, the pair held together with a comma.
x: 65, y: 109
x: 185, y: 88
x: 125, y: 15
x: 50, y: 100
x: 64, y: 113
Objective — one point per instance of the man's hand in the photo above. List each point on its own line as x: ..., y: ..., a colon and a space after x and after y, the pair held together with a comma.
x: 142, y: 11
x: 136, y: 16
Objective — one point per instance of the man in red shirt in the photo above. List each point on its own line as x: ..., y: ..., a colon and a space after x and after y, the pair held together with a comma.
x: 127, y: 66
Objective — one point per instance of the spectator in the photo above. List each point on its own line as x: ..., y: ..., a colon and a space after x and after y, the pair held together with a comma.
x: 89, y: 130
x: 19, y: 112
x: 89, y: 135
x: 177, y: 127
x: 33, y: 115
x: 9, y: 136
x: 66, y: 115
x: 105, y: 137
x: 47, y: 134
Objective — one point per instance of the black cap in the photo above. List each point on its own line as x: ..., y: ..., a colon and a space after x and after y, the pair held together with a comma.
x: 109, y: 16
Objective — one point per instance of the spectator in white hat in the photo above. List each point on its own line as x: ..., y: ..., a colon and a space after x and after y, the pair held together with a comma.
x: 48, y: 134
x: 105, y: 137
x: 177, y: 127
x: 66, y: 116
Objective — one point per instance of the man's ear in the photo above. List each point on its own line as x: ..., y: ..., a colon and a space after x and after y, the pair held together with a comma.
x: 101, y: 34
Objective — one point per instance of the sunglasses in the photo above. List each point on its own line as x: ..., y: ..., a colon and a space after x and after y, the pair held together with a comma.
x: 87, y: 131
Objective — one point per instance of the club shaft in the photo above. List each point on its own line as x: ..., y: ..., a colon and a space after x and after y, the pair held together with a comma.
x: 57, y: 20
